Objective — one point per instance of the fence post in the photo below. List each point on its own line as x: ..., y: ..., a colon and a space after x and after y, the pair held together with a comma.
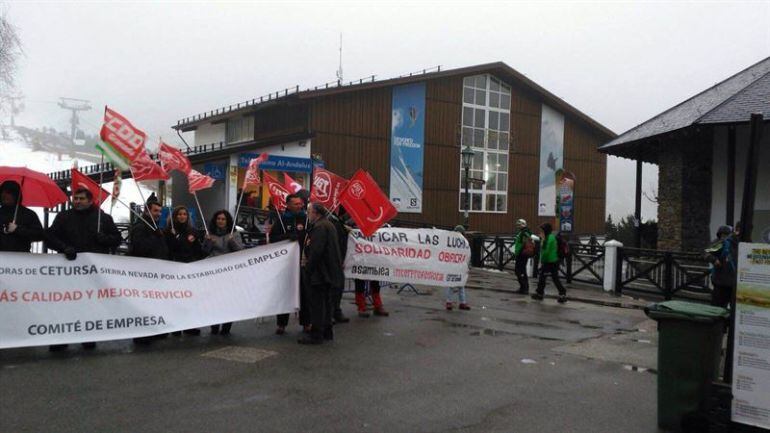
x: 669, y: 270
x: 536, y: 258
x: 619, y: 271
x: 569, y: 267
x: 612, y: 264
x: 499, y: 248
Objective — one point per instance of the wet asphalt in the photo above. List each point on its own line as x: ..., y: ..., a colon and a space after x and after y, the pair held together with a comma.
x: 509, y: 365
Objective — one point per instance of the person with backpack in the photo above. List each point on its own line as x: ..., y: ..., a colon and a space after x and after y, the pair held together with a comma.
x: 723, y: 256
x: 549, y: 259
x: 523, y: 250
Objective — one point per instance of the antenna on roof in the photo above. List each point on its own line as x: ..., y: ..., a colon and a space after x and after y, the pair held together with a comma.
x: 339, y: 71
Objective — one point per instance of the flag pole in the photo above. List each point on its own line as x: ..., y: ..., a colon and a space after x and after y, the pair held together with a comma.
x: 99, y: 206
x: 237, y: 208
x: 135, y: 213
x: 18, y: 200
x: 195, y: 194
x: 141, y: 194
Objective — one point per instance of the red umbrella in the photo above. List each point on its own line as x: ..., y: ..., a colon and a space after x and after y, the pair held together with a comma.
x: 37, y: 189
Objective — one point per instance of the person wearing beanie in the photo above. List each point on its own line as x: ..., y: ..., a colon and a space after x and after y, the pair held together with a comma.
x: 523, y: 250
x: 549, y: 259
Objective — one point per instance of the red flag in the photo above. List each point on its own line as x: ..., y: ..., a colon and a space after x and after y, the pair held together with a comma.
x: 197, y: 181
x: 291, y: 184
x: 278, y: 192
x: 252, y: 174
x: 172, y: 158
x: 122, y: 136
x: 327, y: 188
x: 144, y: 168
x: 80, y: 180
x: 369, y: 207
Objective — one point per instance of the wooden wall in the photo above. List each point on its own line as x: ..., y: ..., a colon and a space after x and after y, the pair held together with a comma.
x: 353, y: 130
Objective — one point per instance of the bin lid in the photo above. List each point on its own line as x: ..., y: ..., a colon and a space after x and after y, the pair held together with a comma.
x: 686, y: 311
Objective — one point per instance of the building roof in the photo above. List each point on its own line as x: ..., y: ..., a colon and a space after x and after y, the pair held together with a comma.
x: 499, y: 69
x: 730, y: 101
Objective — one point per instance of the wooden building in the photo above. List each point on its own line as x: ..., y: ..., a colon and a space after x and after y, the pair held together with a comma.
x: 492, y: 108
x: 701, y: 149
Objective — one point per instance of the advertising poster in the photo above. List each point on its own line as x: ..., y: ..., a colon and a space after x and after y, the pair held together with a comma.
x: 551, y: 159
x: 565, y: 200
x: 407, y: 147
x: 751, y: 356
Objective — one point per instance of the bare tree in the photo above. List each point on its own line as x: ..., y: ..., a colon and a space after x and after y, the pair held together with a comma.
x: 10, y: 52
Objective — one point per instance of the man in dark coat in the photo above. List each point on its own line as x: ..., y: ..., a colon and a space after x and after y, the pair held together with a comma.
x: 291, y: 225
x: 146, y: 238
x: 19, y: 226
x: 77, y: 230
x: 322, y: 266
x: 342, y: 238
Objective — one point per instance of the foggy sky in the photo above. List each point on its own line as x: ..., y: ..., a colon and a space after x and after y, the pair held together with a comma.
x: 620, y: 63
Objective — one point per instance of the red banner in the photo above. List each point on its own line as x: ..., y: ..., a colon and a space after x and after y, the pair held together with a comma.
x: 278, y: 192
x: 291, y: 184
x: 197, y: 181
x: 252, y: 173
x: 369, y: 207
x: 144, y: 168
x: 327, y: 188
x: 80, y: 180
x: 124, y: 138
x: 172, y: 158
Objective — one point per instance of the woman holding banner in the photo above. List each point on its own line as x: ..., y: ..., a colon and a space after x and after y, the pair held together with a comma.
x: 184, y: 245
x: 221, y: 241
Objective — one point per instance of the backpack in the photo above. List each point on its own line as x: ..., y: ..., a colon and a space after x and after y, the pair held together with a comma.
x: 562, y: 247
x: 528, y: 249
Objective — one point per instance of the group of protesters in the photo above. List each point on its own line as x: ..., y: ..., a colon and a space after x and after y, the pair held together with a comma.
x: 322, y: 237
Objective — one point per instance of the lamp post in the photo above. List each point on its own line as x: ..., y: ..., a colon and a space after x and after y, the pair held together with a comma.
x: 467, y: 155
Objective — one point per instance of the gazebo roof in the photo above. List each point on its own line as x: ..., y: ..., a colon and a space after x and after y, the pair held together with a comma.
x: 730, y: 101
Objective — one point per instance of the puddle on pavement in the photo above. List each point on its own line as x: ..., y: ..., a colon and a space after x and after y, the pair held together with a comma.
x: 629, y: 367
x: 490, y: 333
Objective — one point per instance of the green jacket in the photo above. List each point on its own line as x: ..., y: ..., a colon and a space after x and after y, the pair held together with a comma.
x: 521, y: 236
x: 549, y: 250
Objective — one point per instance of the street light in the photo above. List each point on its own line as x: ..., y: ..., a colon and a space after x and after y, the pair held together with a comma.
x: 467, y: 155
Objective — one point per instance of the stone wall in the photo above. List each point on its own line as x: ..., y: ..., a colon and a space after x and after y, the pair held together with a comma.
x: 684, y: 192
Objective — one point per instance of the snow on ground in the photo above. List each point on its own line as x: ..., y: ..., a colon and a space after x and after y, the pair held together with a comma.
x: 16, y: 153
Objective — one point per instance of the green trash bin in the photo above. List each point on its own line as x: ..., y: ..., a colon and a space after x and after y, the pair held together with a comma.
x: 689, y: 350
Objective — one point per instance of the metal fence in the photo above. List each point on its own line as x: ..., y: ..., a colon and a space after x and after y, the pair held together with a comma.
x: 668, y: 274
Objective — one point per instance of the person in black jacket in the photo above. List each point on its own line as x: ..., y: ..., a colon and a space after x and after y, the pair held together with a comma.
x: 184, y: 245
x: 75, y: 230
x: 78, y: 230
x: 322, y: 265
x: 342, y: 238
x: 148, y: 242
x: 19, y: 226
x: 291, y: 225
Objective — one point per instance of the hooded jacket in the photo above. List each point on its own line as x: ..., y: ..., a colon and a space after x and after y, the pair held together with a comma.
x: 28, y: 228
x: 77, y: 229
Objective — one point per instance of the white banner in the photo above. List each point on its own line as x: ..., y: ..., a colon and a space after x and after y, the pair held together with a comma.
x: 45, y: 299
x: 417, y: 256
x: 751, y: 353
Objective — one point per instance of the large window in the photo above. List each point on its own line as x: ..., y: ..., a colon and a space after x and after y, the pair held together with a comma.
x: 239, y: 129
x: 486, y: 124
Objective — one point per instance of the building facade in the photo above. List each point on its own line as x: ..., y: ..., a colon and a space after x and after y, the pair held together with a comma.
x: 520, y: 133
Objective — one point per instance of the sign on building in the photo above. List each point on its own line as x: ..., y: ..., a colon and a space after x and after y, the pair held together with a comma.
x: 407, y: 147
x: 551, y: 159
